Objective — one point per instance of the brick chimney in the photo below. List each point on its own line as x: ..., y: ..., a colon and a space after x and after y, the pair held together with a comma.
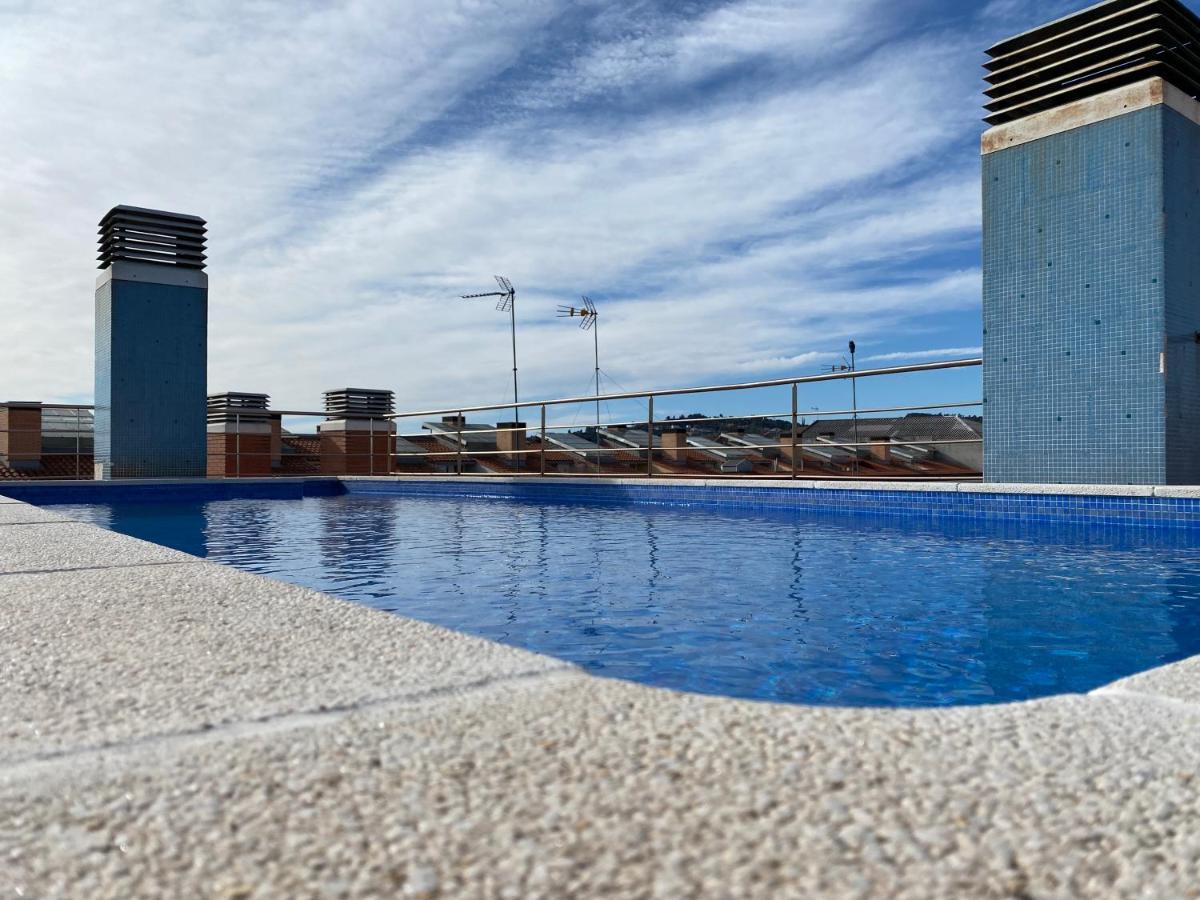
x: 674, y: 444
x: 785, y: 438
x: 356, y: 439
x: 21, y: 434
x: 511, y: 441
x: 239, y: 435
x: 881, y: 449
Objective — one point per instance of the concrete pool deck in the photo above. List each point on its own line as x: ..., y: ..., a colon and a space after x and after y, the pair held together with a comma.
x: 172, y: 727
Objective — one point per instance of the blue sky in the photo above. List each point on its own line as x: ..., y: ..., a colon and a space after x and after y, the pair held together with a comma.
x: 741, y: 186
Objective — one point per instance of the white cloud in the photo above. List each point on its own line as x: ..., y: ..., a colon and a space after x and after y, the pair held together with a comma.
x: 660, y: 53
x: 915, y: 355
x: 723, y: 238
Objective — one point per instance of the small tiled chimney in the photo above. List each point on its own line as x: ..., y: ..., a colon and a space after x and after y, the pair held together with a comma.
x: 881, y: 449
x: 511, y: 438
x: 674, y: 444
x: 785, y: 439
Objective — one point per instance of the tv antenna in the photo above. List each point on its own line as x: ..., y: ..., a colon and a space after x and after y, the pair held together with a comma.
x: 589, y: 319
x: 506, y: 302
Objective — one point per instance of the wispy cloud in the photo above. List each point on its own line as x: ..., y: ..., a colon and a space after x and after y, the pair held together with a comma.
x: 914, y: 355
x: 741, y: 185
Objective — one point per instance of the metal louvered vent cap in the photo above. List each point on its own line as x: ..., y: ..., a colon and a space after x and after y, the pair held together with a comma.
x: 359, y: 403
x: 151, y: 235
x: 1105, y: 46
x: 244, y: 406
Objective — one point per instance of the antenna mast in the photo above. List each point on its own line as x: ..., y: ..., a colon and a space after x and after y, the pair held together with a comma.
x: 506, y: 302
x: 591, y: 319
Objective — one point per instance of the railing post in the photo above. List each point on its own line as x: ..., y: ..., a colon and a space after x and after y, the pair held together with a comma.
x: 370, y: 446
x: 650, y: 437
x: 458, y: 422
x: 795, y: 409
x: 854, y: 409
x: 78, y: 417
x: 542, y: 445
x: 237, y: 444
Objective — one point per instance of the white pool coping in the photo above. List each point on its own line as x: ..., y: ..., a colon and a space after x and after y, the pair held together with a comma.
x: 174, y: 727
x: 844, y: 484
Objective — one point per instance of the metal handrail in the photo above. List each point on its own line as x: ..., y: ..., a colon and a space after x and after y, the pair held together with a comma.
x: 706, y: 389
x: 591, y: 451
x: 693, y: 420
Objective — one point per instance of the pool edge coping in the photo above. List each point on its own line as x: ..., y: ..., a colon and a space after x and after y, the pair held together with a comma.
x: 866, y: 485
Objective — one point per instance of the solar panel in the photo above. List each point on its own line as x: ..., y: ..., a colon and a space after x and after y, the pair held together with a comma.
x: 573, y: 442
x: 630, y: 437
x: 69, y: 420
x: 830, y: 454
x: 721, y: 451
x: 758, y: 441
x: 470, y: 439
x: 408, y: 451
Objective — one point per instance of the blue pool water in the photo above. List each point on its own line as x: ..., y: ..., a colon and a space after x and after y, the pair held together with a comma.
x: 780, y: 605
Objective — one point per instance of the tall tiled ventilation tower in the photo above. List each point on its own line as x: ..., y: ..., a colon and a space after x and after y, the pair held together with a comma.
x: 151, y: 345
x: 1091, y: 249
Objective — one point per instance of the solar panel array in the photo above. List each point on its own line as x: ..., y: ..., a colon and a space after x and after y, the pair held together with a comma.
x: 470, y: 437
x: 573, y: 442
x: 758, y: 441
x: 630, y: 437
x: 723, y: 451
x: 407, y: 451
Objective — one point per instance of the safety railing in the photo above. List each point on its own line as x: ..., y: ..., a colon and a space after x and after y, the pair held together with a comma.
x: 657, y: 456
x: 254, y: 444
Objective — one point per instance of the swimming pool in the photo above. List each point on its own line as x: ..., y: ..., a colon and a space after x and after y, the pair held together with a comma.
x: 769, y: 604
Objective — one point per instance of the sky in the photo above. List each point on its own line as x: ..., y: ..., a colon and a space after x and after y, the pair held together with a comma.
x: 741, y: 186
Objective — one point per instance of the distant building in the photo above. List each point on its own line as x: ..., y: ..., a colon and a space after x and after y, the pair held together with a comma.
x: 40, y: 441
x: 1091, y: 204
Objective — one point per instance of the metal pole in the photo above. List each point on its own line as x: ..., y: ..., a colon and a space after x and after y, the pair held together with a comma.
x: 512, y: 313
x: 854, y: 403
x: 370, y: 446
x: 78, y: 419
x: 596, y: 350
x: 458, y: 421
x: 542, y: 444
x: 596, y: 355
x: 795, y: 409
x: 650, y: 438
x: 237, y: 444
